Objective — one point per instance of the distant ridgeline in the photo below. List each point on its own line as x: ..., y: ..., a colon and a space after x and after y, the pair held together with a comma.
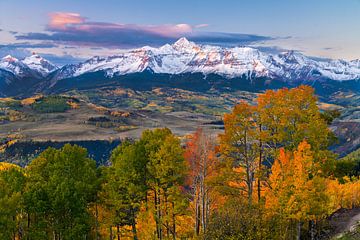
x: 183, y: 64
x: 23, y: 151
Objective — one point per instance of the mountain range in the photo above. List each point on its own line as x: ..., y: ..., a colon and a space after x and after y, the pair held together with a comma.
x: 180, y: 63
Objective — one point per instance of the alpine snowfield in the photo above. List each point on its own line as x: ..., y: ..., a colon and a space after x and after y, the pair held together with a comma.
x: 187, y: 57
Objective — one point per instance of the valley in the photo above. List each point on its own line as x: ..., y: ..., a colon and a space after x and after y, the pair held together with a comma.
x: 181, y: 120
x: 113, y: 114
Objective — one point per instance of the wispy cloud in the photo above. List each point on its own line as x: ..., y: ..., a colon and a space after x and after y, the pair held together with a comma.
x: 74, y: 29
x: 328, y: 48
x: 28, y: 45
x: 203, y: 25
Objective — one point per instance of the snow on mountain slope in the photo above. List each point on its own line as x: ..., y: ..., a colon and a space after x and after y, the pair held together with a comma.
x: 187, y: 57
x: 13, y: 65
x: 184, y: 56
x: 33, y: 65
x: 39, y: 64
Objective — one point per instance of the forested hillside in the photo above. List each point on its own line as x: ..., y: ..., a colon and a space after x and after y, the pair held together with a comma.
x: 269, y: 175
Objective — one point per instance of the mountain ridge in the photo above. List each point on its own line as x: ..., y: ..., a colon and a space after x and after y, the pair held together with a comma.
x: 183, y: 57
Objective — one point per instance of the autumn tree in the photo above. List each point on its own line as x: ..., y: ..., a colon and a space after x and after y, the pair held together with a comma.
x: 254, y: 135
x: 239, y: 147
x: 297, y: 190
x: 288, y: 116
x: 202, y: 162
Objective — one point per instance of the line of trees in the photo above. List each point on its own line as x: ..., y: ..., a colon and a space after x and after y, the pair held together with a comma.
x: 270, y: 175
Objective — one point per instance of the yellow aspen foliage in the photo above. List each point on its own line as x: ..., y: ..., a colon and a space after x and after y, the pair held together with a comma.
x: 4, y: 166
x: 344, y: 194
x: 296, y: 189
x: 292, y: 115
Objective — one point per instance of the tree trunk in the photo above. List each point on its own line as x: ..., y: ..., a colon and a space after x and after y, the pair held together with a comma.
x: 158, y: 214
x: 197, y: 214
x: 111, y: 233
x: 174, y: 223
x: 133, y: 228
x: 28, y: 226
x: 118, y: 231
x: 248, y: 171
x: 204, y: 194
x: 203, y: 207
x: 260, y: 163
x: 312, y: 230
x: 96, y: 222
x: 166, y: 214
x: 298, y: 233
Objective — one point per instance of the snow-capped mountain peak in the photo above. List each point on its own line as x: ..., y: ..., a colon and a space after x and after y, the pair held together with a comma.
x: 184, y: 45
x: 32, y: 66
x: 39, y: 64
x: 185, y: 56
x: 9, y: 58
x: 13, y: 65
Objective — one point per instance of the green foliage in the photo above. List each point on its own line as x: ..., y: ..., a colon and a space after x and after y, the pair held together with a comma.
x: 125, y: 187
x: 330, y: 115
x: 60, y: 187
x: 235, y: 220
x: 51, y: 104
x: 348, y: 165
x: 61, y: 195
x: 152, y: 165
x: 12, y: 181
x: 12, y: 104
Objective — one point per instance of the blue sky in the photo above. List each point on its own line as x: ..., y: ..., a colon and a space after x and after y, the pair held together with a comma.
x: 66, y: 30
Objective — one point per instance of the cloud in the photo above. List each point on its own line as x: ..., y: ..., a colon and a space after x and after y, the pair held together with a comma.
x: 23, y: 49
x: 21, y: 53
x: 75, y: 30
x: 61, y: 60
x: 18, y: 53
x: 228, y: 39
x: 61, y: 20
x: 201, y: 25
x: 28, y: 45
x: 271, y: 49
x: 74, y: 23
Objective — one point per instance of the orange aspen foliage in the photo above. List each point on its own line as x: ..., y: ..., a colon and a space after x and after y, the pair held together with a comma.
x: 202, y: 164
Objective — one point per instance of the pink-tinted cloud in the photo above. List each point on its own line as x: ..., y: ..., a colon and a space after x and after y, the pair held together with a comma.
x: 170, y: 30
x: 66, y: 21
x: 75, y: 30
x: 61, y: 20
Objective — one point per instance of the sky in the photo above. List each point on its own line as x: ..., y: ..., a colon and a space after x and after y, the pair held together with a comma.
x: 68, y: 31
